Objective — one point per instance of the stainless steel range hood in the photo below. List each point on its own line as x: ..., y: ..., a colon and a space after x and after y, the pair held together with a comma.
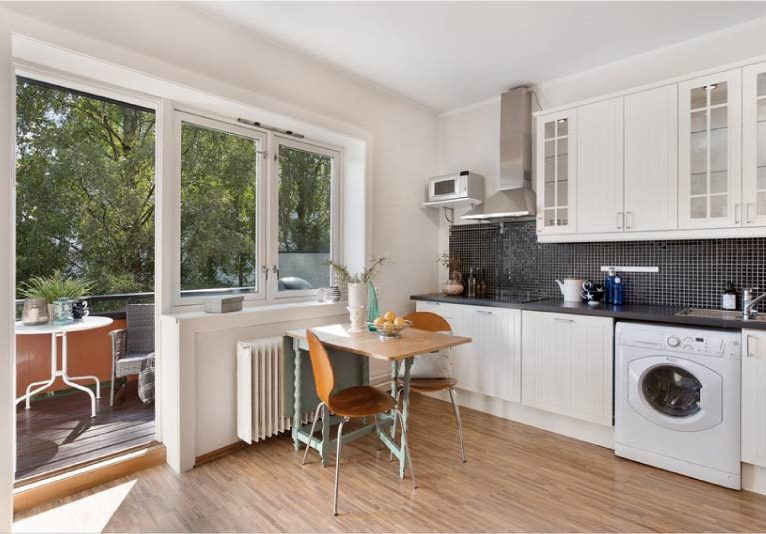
x: 515, y: 197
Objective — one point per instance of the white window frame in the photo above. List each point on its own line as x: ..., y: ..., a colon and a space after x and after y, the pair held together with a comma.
x: 180, y: 117
x: 335, y: 213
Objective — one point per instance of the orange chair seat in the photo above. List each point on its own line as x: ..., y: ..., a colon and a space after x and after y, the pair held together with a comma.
x: 360, y: 401
x: 428, y: 384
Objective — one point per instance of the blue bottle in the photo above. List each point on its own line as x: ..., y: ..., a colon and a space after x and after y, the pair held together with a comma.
x: 618, y: 292
x: 609, y: 286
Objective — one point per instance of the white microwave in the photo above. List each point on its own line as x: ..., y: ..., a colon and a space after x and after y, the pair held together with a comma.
x: 463, y: 185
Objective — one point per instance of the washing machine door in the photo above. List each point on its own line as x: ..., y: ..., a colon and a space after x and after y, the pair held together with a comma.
x: 675, y: 393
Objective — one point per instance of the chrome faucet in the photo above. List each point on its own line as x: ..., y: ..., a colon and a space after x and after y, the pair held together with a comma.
x: 749, y: 302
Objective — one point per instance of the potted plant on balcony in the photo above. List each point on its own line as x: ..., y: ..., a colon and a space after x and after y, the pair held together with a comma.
x: 357, y: 285
x: 41, y: 292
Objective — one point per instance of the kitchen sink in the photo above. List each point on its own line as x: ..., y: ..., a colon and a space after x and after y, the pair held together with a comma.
x: 719, y: 314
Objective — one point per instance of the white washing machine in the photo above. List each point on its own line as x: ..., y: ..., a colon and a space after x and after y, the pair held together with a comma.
x: 677, y: 400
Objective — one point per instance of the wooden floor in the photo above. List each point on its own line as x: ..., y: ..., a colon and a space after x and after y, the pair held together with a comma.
x: 517, y: 479
x: 58, y: 432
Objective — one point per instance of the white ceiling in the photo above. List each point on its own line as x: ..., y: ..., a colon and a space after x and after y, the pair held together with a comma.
x: 447, y: 55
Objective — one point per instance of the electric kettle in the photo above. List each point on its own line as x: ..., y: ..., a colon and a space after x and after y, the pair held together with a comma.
x: 571, y: 288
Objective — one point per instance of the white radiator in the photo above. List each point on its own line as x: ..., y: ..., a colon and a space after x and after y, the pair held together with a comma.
x: 260, y: 389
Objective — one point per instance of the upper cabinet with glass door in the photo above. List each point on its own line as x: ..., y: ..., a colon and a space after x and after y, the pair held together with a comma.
x: 709, y: 152
x: 754, y: 145
x: 556, y: 172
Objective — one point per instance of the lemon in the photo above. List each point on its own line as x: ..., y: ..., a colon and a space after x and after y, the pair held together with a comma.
x: 389, y: 316
x: 388, y: 326
x: 399, y: 322
x: 378, y: 322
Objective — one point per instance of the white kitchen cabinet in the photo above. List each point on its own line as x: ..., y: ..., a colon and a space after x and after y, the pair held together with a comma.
x: 567, y: 365
x: 754, y: 145
x: 651, y: 153
x: 754, y: 397
x: 557, y: 172
x: 709, y: 151
x: 600, y: 167
x: 491, y: 363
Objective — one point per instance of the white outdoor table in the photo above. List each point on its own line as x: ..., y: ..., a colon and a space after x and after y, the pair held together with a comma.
x: 60, y: 331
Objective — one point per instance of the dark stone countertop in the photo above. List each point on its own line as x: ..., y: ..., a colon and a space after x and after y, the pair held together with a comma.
x: 627, y: 312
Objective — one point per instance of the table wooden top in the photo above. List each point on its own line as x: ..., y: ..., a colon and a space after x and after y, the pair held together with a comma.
x: 412, y: 343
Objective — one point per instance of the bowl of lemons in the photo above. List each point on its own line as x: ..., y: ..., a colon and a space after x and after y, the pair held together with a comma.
x: 389, y: 325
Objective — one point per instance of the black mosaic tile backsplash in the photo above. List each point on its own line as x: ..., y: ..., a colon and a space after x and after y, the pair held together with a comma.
x: 692, y: 272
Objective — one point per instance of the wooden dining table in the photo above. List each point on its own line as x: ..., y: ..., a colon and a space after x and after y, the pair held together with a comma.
x: 347, y: 348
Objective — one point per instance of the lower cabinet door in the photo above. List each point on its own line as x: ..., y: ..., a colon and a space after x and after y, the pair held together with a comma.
x: 754, y: 397
x: 491, y: 363
x: 567, y: 365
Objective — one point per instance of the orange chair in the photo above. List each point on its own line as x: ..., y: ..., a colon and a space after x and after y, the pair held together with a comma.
x: 434, y: 323
x: 353, y: 402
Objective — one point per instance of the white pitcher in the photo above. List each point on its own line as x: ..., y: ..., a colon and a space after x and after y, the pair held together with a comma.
x: 571, y: 288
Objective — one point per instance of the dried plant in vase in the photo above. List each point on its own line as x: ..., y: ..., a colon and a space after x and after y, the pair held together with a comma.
x: 357, y: 286
x: 454, y: 264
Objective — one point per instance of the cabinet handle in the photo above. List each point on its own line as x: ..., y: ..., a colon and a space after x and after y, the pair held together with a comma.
x: 628, y: 220
x: 562, y: 320
x: 750, y: 346
x: 484, y: 312
x: 737, y: 209
x: 748, y: 215
x: 619, y: 220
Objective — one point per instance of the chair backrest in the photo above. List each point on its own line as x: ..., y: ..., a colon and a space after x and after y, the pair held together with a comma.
x: 429, y: 321
x: 324, y: 379
x: 140, y: 319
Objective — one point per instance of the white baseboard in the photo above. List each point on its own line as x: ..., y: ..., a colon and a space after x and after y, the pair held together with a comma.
x: 559, y: 424
x: 754, y: 478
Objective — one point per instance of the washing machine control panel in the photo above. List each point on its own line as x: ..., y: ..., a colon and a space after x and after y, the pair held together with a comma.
x: 706, y: 343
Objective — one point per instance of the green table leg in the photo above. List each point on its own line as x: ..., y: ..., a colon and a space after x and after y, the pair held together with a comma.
x: 297, y: 395
x: 394, y: 390
x: 405, y: 412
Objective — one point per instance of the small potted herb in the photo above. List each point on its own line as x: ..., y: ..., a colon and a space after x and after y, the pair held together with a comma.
x: 43, y: 291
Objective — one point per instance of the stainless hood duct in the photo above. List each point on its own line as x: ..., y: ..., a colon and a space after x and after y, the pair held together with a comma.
x: 514, y: 197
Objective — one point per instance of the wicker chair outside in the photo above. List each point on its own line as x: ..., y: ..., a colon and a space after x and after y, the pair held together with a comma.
x: 132, y: 347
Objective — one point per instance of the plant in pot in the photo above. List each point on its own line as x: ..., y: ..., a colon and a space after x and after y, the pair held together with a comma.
x: 454, y: 264
x: 41, y: 292
x: 357, y: 285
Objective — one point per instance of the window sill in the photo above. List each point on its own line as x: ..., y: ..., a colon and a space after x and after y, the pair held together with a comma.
x: 268, y: 314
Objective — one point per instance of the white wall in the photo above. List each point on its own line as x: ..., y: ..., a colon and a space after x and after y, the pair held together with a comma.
x: 176, y: 43
x: 7, y: 213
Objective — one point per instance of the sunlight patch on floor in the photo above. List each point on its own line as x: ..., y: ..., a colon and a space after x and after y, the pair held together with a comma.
x: 89, y: 514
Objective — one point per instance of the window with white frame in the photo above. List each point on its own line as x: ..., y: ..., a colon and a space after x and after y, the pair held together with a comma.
x: 260, y: 226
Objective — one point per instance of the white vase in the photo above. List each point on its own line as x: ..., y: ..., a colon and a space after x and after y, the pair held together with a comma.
x: 357, y: 306
x: 357, y: 295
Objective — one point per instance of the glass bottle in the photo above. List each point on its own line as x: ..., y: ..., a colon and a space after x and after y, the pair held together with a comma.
x: 471, y: 284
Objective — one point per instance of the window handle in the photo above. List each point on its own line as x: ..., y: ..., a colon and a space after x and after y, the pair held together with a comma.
x: 619, y: 220
x: 265, y: 270
x: 275, y: 270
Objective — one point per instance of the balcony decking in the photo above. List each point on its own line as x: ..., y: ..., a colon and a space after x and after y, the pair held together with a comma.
x: 58, y: 432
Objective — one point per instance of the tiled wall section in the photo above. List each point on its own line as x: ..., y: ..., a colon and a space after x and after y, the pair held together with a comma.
x: 692, y: 272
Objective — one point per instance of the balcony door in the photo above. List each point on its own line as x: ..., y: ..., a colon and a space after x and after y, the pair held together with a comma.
x: 85, y: 230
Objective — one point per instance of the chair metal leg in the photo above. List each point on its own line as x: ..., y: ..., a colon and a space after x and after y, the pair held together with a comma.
x: 456, y: 409
x: 311, y: 433
x: 337, y: 466
x: 407, y: 449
